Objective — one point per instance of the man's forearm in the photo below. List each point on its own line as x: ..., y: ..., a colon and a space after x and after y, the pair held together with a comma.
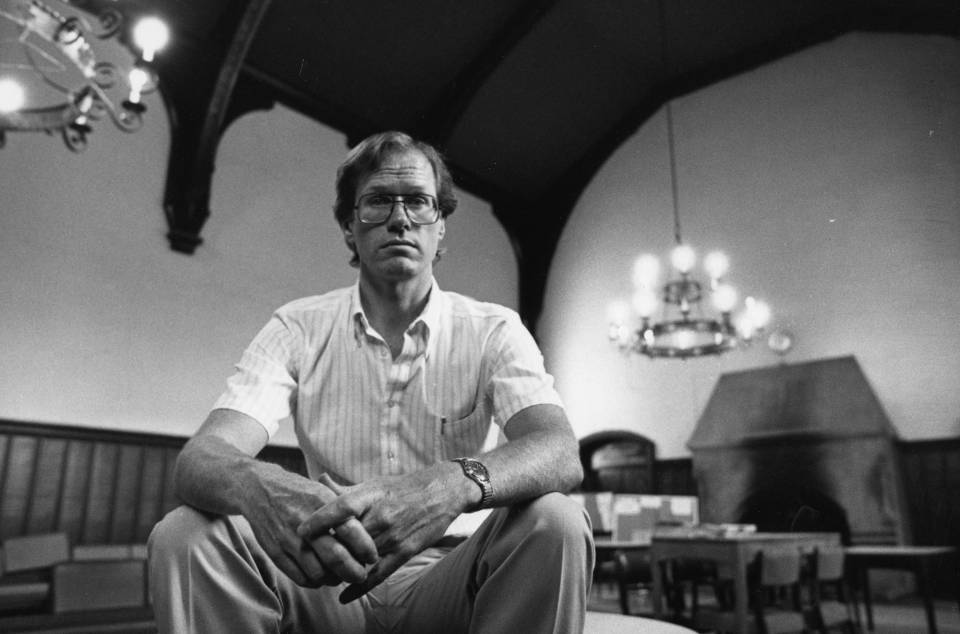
x: 213, y: 475
x: 542, y: 456
x: 534, y: 464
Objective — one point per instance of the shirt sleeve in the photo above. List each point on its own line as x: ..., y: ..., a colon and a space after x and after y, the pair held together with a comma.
x: 264, y: 384
x: 518, y: 378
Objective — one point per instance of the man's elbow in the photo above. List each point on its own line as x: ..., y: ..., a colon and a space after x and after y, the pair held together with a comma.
x: 573, y: 475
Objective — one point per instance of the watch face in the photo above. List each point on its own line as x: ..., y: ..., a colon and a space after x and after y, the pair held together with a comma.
x: 476, y: 469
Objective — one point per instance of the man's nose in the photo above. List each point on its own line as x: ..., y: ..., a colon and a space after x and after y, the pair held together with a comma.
x: 398, y: 218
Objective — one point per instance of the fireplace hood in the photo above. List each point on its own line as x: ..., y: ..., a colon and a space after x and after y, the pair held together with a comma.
x: 796, y: 441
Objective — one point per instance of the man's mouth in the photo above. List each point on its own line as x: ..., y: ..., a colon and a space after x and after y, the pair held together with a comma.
x: 399, y: 243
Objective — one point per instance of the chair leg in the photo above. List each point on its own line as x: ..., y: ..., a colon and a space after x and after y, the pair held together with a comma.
x: 624, y: 597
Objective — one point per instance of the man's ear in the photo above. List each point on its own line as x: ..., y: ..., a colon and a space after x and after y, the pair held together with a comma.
x: 348, y: 237
x: 443, y: 228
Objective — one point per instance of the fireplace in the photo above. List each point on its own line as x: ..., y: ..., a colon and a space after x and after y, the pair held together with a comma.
x: 800, y: 447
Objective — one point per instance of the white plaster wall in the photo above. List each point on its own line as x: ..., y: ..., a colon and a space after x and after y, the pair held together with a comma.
x: 832, y: 179
x: 102, y: 325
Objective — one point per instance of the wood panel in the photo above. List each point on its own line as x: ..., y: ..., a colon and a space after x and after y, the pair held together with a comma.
x: 152, y: 483
x: 931, y: 473
x: 19, y: 460
x: 75, y: 494
x: 97, y: 486
x: 674, y: 476
x: 43, y: 505
x: 103, y: 470
x: 123, y: 506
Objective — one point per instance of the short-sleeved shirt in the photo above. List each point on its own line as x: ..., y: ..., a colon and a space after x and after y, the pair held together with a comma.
x: 465, y: 369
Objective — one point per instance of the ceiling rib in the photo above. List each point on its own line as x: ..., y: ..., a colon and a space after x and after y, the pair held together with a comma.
x: 200, y: 112
x: 440, y: 118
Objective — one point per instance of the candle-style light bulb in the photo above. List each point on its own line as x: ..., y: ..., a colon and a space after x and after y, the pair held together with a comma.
x: 716, y: 264
x: 683, y: 257
x: 646, y: 269
x: 724, y: 298
x: 138, y: 79
x: 12, y: 96
x: 150, y: 35
x: 758, y: 312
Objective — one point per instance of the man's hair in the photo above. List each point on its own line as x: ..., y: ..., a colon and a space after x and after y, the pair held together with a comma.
x: 367, y: 156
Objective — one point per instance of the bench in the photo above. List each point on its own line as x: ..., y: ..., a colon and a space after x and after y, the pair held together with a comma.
x: 90, y: 495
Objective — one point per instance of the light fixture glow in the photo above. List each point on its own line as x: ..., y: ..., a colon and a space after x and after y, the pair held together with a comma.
x: 150, y: 34
x: 716, y: 264
x: 646, y: 269
x: 138, y: 79
x: 645, y: 302
x: 758, y: 312
x: 11, y: 95
x: 724, y: 298
x: 683, y: 257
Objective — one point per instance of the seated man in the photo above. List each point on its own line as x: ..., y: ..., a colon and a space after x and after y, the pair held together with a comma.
x: 393, y: 385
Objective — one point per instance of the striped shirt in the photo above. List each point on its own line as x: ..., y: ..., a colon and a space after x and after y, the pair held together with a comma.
x: 465, y: 369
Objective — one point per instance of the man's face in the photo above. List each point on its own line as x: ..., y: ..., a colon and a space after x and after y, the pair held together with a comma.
x: 397, y: 249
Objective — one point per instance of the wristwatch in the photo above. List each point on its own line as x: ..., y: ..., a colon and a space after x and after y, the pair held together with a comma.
x: 475, y: 470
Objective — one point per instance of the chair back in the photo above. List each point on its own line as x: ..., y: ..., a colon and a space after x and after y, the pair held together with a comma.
x: 830, y: 563
x: 779, y: 567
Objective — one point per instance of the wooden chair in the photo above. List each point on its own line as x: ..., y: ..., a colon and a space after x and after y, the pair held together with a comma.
x: 631, y: 570
x: 775, y: 597
x: 777, y: 603
x: 832, y: 603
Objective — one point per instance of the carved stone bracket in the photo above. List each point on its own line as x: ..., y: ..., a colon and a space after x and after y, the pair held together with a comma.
x: 200, y: 87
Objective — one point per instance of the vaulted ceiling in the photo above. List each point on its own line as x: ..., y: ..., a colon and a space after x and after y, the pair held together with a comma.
x: 526, y: 98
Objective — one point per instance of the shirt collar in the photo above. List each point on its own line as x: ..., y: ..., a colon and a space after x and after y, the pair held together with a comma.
x: 428, y: 320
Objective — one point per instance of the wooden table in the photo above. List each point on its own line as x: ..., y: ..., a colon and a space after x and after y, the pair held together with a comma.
x: 916, y: 559
x: 735, y: 552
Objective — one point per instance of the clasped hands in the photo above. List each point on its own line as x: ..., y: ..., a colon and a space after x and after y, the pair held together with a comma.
x: 369, y: 530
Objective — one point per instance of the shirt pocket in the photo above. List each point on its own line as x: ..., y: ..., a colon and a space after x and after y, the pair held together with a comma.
x: 465, y: 436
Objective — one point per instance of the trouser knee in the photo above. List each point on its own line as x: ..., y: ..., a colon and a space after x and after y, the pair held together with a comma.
x: 556, y: 517
x: 182, y: 531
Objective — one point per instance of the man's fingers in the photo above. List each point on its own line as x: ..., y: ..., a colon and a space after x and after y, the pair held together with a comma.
x: 358, y: 541
x: 328, y: 482
x: 335, y: 557
x: 289, y: 567
x: 339, y: 517
x: 324, y: 519
x: 308, y: 562
x: 383, y: 569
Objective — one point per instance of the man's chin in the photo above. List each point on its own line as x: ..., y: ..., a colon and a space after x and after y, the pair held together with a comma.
x: 399, y: 268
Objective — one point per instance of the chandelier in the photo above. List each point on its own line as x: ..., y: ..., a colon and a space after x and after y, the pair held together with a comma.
x: 669, y: 320
x: 56, y: 75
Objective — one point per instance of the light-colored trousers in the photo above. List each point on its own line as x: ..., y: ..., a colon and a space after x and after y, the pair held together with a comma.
x: 527, y: 569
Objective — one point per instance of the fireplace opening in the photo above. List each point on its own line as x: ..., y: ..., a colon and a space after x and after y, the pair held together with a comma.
x: 795, y: 509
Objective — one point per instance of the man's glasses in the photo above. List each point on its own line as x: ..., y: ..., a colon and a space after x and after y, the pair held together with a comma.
x: 375, y: 209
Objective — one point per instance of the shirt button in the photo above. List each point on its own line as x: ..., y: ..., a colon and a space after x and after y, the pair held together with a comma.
x: 391, y: 456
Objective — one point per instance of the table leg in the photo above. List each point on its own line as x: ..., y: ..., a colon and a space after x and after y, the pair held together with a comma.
x: 740, y: 598
x: 923, y: 583
x: 657, y: 587
x: 865, y: 586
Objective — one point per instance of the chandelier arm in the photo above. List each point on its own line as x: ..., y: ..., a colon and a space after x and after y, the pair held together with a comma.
x: 673, y: 174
